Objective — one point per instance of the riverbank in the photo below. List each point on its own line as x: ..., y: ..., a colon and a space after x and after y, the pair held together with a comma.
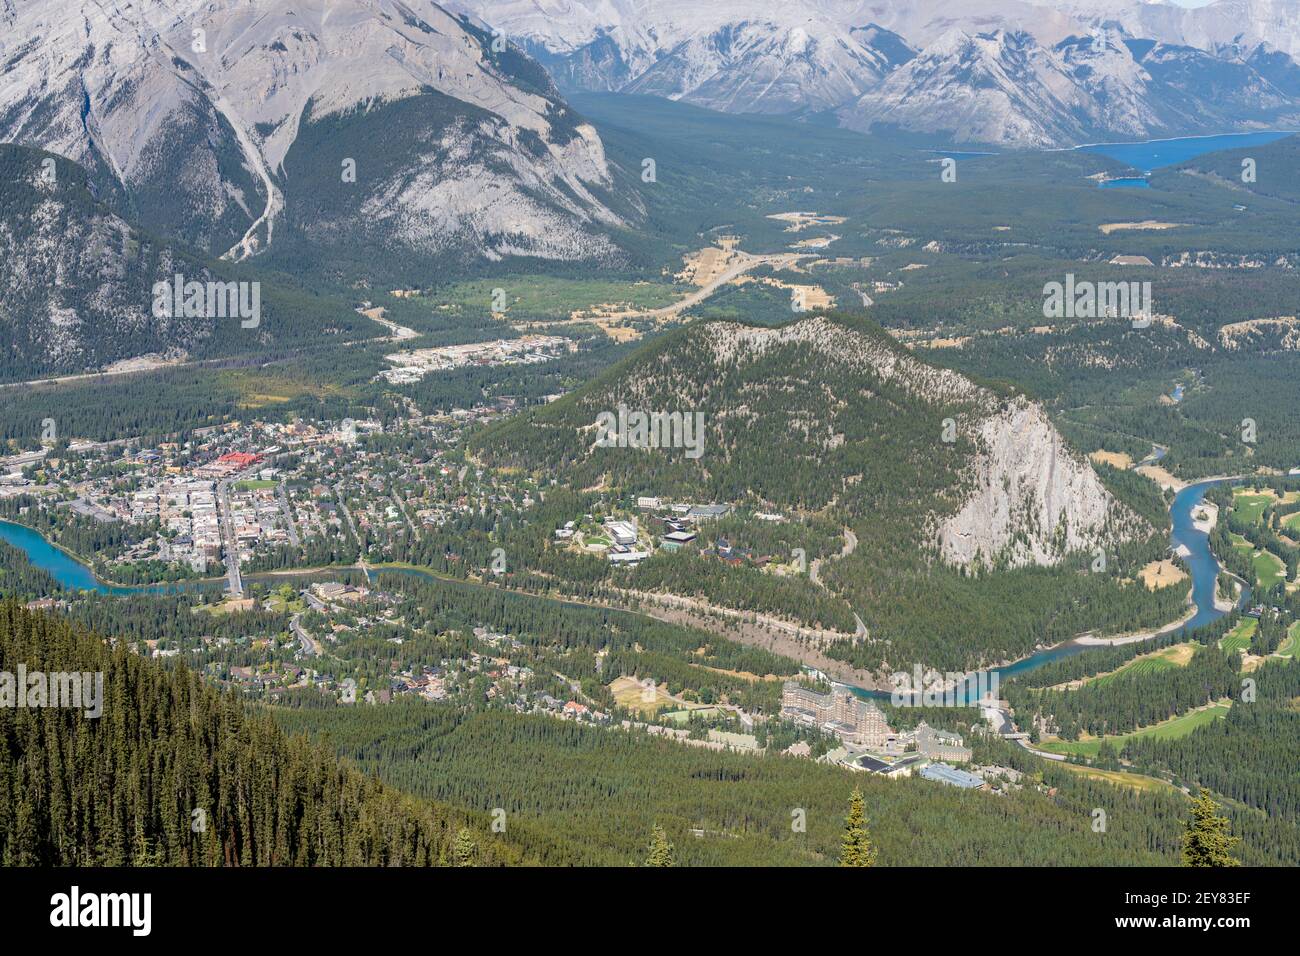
x: 72, y: 571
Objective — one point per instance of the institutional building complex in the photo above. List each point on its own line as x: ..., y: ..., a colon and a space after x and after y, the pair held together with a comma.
x: 861, y: 723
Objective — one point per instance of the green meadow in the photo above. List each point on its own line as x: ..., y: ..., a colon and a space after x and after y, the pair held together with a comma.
x: 1170, y: 729
x: 1238, y: 639
x: 1250, y: 507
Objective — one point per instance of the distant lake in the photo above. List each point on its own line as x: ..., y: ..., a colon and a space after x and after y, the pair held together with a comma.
x: 1156, y: 153
x: 956, y: 154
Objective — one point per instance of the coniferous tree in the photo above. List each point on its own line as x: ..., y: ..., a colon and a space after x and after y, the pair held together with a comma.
x: 856, y: 850
x: 661, y: 852
x: 465, y: 851
x: 1206, y: 840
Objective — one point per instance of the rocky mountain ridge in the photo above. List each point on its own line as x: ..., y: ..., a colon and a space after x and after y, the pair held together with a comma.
x: 198, y: 112
x: 1043, y: 73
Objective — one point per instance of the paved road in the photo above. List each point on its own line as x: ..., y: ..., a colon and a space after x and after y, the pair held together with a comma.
x: 361, y: 558
x: 234, y: 582
x: 401, y: 506
x: 746, y: 264
x: 308, y: 645
x: 290, y: 526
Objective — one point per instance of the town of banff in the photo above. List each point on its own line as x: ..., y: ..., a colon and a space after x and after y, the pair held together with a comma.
x: 705, y: 436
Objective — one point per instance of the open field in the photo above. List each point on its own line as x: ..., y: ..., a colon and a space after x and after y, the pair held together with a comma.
x: 682, y: 717
x: 1291, y: 646
x: 1123, y: 778
x: 254, y: 484
x: 1238, y: 639
x: 1268, y: 568
x: 550, y: 297
x: 648, y: 701
x: 1146, y: 224
x: 1164, y: 659
x: 1171, y: 729
x: 1116, y: 459
x: 1161, y: 574
x: 1249, y: 504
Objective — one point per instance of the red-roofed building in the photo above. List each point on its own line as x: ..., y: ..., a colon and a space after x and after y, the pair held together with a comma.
x: 240, y: 459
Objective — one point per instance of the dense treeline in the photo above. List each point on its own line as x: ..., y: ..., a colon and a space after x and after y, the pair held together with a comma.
x: 1251, y: 755
x: 1266, y: 840
x: 19, y: 578
x: 1130, y: 700
x: 1102, y: 660
x: 576, y: 793
x: 173, y: 773
x: 636, y: 645
x: 945, y: 619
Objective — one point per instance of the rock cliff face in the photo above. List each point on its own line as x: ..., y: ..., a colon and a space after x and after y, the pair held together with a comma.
x: 1033, y: 500
x: 75, y: 279
x: 827, y: 415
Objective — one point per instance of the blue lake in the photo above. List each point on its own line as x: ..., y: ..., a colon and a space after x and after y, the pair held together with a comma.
x: 1156, y: 153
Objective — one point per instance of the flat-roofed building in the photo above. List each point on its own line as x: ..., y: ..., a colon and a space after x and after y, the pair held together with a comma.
x: 942, y: 773
x: 622, y: 532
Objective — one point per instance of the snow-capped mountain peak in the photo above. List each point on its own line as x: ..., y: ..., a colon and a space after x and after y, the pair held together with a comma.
x: 1024, y: 72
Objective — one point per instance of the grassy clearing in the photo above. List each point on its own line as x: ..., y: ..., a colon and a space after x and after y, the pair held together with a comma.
x: 1171, y: 729
x: 254, y: 484
x: 1238, y: 639
x: 1161, y: 574
x: 1268, y: 568
x: 1164, y: 659
x: 1291, y: 646
x: 1123, y: 778
x: 551, y: 297
x: 1249, y: 505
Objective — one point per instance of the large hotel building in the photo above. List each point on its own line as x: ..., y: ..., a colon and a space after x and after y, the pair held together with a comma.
x: 852, y: 719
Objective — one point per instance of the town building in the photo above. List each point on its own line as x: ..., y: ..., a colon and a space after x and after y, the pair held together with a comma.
x: 940, y: 744
x: 943, y: 773
x: 841, y: 712
x: 674, y: 540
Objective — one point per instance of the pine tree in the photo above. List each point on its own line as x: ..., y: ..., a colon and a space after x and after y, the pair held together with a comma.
x: 856, y: 850
x: 464, y: 851
x: 661, y: 852
x: 1206, y: 840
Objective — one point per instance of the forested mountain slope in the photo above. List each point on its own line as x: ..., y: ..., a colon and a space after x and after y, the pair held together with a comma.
x: 77, y: 283
x: 827, y: 413
x: 172, y: 773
